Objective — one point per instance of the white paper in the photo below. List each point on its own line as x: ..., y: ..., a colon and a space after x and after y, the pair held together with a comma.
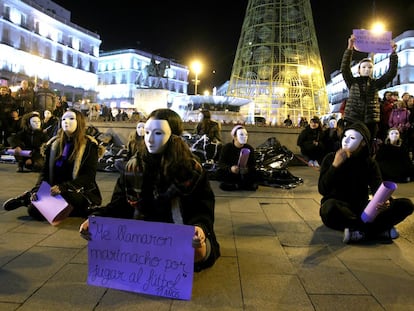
x: 51, y: 207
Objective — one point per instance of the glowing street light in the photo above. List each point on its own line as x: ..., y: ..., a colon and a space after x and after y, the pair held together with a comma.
x: 196, y: 66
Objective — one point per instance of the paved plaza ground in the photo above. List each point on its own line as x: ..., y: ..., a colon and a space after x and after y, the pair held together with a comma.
x: 276, y: 255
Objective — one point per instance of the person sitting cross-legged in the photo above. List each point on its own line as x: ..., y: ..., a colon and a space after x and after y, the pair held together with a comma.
x: 346, y: 178
x: 233, y: 174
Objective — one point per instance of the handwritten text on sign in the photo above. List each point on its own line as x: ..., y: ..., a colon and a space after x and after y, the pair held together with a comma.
x: 141, y: 256
x: 371, y: 41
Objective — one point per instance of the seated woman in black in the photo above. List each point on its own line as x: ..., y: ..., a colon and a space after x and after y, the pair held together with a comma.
x: 234, y: 172
x: 394, y: 160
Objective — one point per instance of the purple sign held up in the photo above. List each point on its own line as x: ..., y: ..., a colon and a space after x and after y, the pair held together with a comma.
x: 370, y: 41
x: 141, y: 256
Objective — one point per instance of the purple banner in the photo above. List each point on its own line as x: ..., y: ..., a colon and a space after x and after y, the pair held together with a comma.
x: 370, y: 41
x: 141, y: 256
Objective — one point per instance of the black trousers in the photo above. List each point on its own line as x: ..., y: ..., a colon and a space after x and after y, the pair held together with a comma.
x: 338, y: 215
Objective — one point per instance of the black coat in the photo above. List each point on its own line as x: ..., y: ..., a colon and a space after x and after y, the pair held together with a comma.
x: 155, y: 194
x: 362, y: 103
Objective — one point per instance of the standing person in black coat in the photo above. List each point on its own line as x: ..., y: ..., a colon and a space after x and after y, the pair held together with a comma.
x: 233, y: 174
x: 25, y: 98
x: 164, y: 182
x: 7, y: 105
x: 363, y: 103
x: 45, y: 98
x: 346, y: 179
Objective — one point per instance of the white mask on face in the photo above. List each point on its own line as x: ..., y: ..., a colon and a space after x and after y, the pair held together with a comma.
x: 69, y: 122
x: 366, y: 69
x: 47, y: 114
x: 241, y: 136
x: 394, y: 135
x: 332, y: 123
x: 157, y: 134
x: 351, y: 140
x: 140, y: 129
x: 35, y: 123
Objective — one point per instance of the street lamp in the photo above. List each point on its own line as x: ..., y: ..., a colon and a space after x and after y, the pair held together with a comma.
x: 197, y: 69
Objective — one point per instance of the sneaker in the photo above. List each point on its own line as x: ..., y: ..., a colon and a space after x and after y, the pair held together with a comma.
x: 389, y: 234
x: 13, y: 203
x: 311, y: 163
x: 352, y: 236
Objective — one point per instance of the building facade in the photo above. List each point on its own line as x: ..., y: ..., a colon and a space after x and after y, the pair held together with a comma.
x: 126, y: 77
x: 38, y: 42
x: 403, y: 82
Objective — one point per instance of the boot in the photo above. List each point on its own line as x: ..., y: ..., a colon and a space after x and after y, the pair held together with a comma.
x: 13, y: 203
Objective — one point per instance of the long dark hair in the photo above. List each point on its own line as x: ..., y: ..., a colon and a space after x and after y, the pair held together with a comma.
x: 177, y: 158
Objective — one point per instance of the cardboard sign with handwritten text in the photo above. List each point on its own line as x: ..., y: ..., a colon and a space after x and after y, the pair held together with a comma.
x: 141, y: 256
x: 372, y: 42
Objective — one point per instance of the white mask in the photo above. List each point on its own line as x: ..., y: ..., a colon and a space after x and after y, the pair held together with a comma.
x: 140, y: 129
x: 394, y: 135
x: 69, y: 122
x: 332, y: 124
x: 351, y: 140
x: 35, y: 123
x: 241, y: 136
x: 47, y: 114
x: 157, y: 134
x: 366, y: 69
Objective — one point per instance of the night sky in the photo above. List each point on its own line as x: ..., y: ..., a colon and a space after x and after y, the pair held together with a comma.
x: 208, y: 31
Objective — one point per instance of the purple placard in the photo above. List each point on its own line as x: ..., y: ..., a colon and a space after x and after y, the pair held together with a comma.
x: 370, y: 41
x: 243, y: 157
x: 141, y: 256
x: 23, y: 153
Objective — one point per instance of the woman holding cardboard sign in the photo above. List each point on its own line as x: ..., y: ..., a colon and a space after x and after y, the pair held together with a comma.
x: 164, y: 182
x: 70, y: 169
x: 362, y: 103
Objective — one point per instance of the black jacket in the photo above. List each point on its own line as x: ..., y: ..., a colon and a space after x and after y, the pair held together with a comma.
x: 362, y: 103
x: 150, y: 196
x: 351, y: 182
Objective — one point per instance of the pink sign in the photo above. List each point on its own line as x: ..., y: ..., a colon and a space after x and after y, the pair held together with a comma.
x: 141, y: 256
x: 370, y: 41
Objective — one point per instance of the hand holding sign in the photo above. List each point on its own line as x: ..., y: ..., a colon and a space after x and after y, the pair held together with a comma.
x: 381, y: 196
x: 141, y: 256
